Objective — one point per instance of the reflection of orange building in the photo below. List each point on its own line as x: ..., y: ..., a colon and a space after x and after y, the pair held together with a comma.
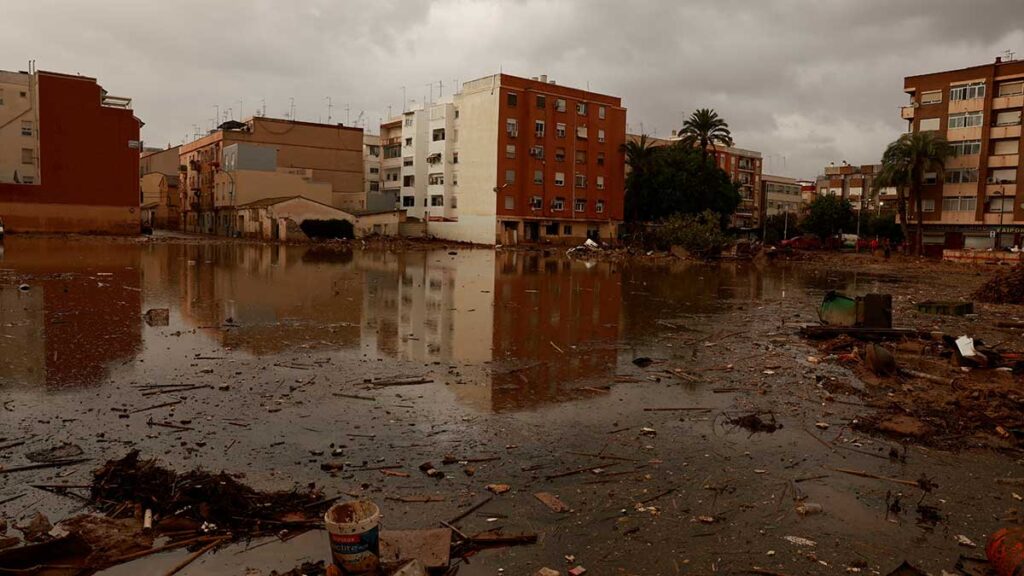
x: 81, y: 315
x: 556, y: 323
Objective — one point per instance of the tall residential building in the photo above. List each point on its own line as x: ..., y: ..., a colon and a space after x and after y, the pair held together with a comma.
x: 978, y: 109
x: 376, y: 197
x: 263, y: 158
x: 509, y: 160
x: 780, y: 195
x: 69, y: 155
x: 158, y: 183
x: 856, y: 184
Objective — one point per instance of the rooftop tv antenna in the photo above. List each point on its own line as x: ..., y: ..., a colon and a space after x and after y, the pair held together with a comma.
x: 330, y: 107
x: 1009, y: 54
x: 291, y: 108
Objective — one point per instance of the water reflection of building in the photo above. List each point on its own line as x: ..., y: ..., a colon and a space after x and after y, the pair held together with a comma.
x: 80, y: 316
x: 274, y: 297
x: 428, y: 306
x: 556, y: 326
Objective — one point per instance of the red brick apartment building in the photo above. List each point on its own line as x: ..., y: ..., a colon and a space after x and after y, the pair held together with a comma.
x: 69, y: 156
x: 978, y: 109
x: 561, y: 172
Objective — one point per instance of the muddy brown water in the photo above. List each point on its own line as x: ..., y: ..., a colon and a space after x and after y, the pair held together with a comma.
x: 531, y: 362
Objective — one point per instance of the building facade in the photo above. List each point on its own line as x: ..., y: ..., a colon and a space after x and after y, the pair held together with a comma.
x: 974, y: 204
x: 780, y: 195
x: 158, y: 184
x: 241, y: 162
x: 69, y: 156
x: 856, y: 184
x: 509, y: 160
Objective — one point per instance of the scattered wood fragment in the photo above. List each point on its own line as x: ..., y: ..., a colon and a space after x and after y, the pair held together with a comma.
x: 394, y: 473
x: 552, y: 502
x: 863, y: 474
x: 195, y: 555
x: 602, y: 456
x: 401, y: 382
x: 555, y: 346
x: 925, y: 376
x: 178, y: 427
x: 498, y: 538
x: 579, y: 471
x: 354, y: 396
x: 415, y: 499
x: 658, y: 495
x: 54, y: 464
x: 148, y: 408
x: 686, y: 409
x: 175, y: 390
x: 471, y: 509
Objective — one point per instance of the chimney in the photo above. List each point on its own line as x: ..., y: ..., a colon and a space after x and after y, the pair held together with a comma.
x: 999, y: 59
x: 544, y: 78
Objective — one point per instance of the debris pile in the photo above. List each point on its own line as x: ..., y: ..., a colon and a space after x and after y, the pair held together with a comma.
x: 1003, y: 288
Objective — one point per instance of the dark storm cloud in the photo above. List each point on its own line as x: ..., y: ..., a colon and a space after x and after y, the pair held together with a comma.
x: 805, y: 82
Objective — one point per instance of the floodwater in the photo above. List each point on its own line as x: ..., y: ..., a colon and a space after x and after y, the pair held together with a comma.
x: 530, y: 357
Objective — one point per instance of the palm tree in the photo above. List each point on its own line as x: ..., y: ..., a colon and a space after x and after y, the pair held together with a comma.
x: 893, y: 175
x: 640, y: 158
x: 910, y: 157
x: 705, y: 128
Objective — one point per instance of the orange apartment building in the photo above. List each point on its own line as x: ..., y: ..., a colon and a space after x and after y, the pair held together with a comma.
x: 974, y: 205
x: 263, y: 158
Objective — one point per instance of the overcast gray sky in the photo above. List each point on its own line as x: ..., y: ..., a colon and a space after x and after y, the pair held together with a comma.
x: 805, y: 82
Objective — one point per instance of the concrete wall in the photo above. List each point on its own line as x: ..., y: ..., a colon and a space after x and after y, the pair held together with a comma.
x: 252, y: 185
x: 385, y: 223
x: 69, y: 218
x: 163, y: 162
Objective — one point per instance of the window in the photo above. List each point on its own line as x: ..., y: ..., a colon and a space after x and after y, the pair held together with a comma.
x: 600, y: 135
x: 374, y: 170
x: 966, y: 147
x: 1011, y: 88
x: 1000, y: 204
x: 408, y: 180
x: 407, y: 161
x: 538, y: 176
x: 581, y: 132
x: 560, y: 154
x: 512, y: 127
x: 559, y: 178
x: 437, y: 200
x: 580, y: 205
x: 537, y: 152
x: 26, y: 127
x: 536, y: 202
x: 510, y: 151
x: 581, y: 108
x: 599, y: 206
x: 373, y: 150
x: 510, y: 202
x: 512, y: 99
x: 581, y: 156
x: 542, y: 101
x: 438, y: 134
x: 408, y: 121
x: 967, y: 91
x: 961, y: 175
x: 1002, y: 147
x: 560, y: 130
x: 538, y: 128
x: 455, y: 157
x: 1003, y: 176
x: 931, y: 178
x: 600, y: 182
x: 560, y: 105
x: 408, y: 141
x: 27, y: 156
x: 567, y: 229
x: 510, y: 176
x: 435, y: 179
x: 374, y: 186
x: 408, y: 201
x: 932, y: 124
x: 456, y: 117
x: 551, y: 229
x: 393, y: 151
x: 959, y: 204
x: 558, y: 204
x: 933, y: 97
x: 455, y: 182
x: 581, y: 180
x: 1011, y: 118
x: 601, y: 112
x: 927, y: 205
x: 965, y: 120
x: 600, y: 158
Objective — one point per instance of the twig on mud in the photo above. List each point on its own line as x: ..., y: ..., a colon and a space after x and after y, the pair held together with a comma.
x: 471, y: 509
x: 195, y: 556
x: 580, y: 471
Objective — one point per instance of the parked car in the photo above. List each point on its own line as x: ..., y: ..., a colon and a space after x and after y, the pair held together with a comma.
x: 805, y: 242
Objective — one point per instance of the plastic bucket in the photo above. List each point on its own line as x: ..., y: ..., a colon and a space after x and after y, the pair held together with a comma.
x: 354, y: 530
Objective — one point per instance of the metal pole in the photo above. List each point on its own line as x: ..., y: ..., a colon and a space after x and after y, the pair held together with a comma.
x: 785, y: 227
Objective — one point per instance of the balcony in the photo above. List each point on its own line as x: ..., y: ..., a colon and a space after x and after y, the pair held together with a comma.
x: 1003, y: 102
x: 971, y: 105
x: 998, y: 218
x: 965, y: 161
x: 1004, y: 161
x: 907, y: 112
x: 1009, y: 131
x: 1001, y: 190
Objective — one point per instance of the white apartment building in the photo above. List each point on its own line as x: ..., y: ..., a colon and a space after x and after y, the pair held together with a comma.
x: 429, y: 158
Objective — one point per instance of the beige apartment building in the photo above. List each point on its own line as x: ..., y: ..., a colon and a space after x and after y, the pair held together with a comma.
x: 19, y: 136
x: 158, y: 185
x: 242, y: 162
x: 974, y: 205
x: 856, y: 184
x: 780, y: 195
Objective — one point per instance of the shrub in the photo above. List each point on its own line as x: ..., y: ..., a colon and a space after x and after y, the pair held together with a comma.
x: 700, y: 234
x: 328, y: 229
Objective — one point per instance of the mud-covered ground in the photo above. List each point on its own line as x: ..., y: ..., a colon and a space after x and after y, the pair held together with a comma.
x: 531, y: 362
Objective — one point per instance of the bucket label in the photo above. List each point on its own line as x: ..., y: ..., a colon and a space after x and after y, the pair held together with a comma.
x: 356, y: 552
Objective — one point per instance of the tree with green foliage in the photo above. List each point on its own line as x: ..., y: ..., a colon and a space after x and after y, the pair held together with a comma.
x: 907, y: 160
x: 640, y: 154
x: 827, y: 216
x: 705, y: 128
x: 669, y: 180
x: 893, y: 175
x: 779, y: 227
x: 884, y: 227
x: 700, y: 234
